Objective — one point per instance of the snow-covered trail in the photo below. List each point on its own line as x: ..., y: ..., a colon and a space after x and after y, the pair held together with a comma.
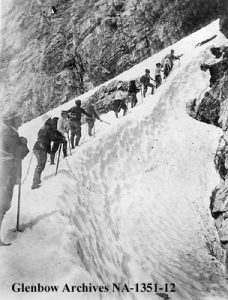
x: 131, y: 208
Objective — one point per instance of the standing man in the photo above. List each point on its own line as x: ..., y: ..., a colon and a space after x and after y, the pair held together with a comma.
x: 145, y: 80
x: 158, y: 78
x: 91, y: 120
x: 12, y: 150
x: 46, y: 135
x: 132, y: 91
x: 61, y: 126
x: 75, y: 114
x: 172, y: 57
x: 119, y: 102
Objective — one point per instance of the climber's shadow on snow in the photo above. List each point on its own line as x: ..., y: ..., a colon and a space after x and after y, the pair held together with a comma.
x: 33, y: 222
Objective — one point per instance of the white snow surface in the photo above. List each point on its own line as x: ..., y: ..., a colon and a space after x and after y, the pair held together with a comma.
x: 134, y: 205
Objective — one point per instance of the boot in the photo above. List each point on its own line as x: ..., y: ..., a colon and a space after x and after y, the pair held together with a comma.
x: 4, y: 244
x: 52, y: 156
x: 72, y: 142
x: 35, y: 186
x: 77, y: 141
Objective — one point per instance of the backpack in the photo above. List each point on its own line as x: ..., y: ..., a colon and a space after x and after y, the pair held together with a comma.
x: 142, y: 79
x: 54, y: 122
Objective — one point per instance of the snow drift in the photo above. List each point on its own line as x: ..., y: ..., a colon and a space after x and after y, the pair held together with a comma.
x: 131, y: 205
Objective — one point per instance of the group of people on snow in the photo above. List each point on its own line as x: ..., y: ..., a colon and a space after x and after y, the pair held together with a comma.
x: 55, y: 131
x: 54, y: 134
x: 121, y: 96
x: 165, y: 66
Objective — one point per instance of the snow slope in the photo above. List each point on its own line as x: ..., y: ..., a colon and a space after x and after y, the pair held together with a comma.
x: 131, y: 205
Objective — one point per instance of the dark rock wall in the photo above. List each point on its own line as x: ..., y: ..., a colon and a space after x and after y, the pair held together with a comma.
x: 48, y: 58
x: 213, y: 109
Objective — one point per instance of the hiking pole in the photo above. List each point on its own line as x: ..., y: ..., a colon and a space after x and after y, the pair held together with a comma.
x: 18, y: 206
x: 69, y: 142
x: 57, y: 165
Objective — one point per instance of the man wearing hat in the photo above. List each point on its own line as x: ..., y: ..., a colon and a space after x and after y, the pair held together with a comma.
x: 145, y: 80
x: 119, y: 101
x: 12, y: 150
x: 62, y: 129
x: 91, y: 120
x: 46, y: 135
x: 75, y: 114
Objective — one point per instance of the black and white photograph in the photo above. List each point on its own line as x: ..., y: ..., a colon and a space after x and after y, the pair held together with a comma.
x: 114, y: 150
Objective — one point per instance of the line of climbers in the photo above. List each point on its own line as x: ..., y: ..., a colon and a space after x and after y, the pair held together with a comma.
x: 13, y: 148
x: 122, y: 96
x: 55, y: 132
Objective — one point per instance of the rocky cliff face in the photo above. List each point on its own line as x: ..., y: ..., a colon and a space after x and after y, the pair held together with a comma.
x: 212, y: 108
x: 53, y: 50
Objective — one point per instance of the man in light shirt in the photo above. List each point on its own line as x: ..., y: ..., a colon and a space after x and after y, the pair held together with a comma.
x: 62, y: 128
x: 119, y: 102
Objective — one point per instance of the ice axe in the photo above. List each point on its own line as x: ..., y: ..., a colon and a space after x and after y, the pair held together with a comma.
x: 18, y: 206
x: 57, y: 165
x: 68, y: 138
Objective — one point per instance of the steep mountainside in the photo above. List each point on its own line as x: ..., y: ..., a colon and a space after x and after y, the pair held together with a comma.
x: 49, y: 55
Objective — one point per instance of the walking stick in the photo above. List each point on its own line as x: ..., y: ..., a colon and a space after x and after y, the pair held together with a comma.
x: 57, y: 165
x: 69, y: 142
x: 18, y: 206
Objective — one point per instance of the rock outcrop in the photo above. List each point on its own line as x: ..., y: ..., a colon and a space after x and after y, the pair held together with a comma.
x: 213, y: 109
x: 54, y: 50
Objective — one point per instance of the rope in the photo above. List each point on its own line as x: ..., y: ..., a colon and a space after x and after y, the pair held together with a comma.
x: 73, y: 175
x: 81, y: 183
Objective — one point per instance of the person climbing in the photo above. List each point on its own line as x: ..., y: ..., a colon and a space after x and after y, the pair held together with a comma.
x: 145, y: 80
x: 75, y: 114
x: 13, y: 149
x: 167, y: 67
x: 61, y: 126
x: 91, y: 120
x: 46, y: 135
x: 132, y: 91
x: 119, y: 102
x: 158, y: 78
x: 172, y: 57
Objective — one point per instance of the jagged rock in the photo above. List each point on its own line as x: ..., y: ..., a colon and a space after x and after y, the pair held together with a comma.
x: 87, y: 41
x: 209, y: 109
x: 213, y: 109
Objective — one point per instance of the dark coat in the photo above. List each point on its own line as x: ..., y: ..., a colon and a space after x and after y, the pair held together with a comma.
x: 46, y: 135
x: 75, y: 113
